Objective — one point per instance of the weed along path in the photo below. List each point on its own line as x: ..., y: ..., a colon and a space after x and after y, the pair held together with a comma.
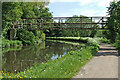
x: 103, y: 65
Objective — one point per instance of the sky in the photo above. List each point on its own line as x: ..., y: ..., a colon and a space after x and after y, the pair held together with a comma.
x: 68, y: 8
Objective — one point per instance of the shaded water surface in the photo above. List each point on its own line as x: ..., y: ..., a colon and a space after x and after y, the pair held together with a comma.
x: 15, y: 61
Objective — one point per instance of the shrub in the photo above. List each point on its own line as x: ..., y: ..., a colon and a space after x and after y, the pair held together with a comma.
x: 27, y: 37
x: 8, y: 43
x: 104, y: 40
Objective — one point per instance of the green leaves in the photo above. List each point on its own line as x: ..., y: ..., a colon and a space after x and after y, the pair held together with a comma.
x: 79, y: 32
x: 114, y: 23
x: 27, y: 37
x: 15, y: 11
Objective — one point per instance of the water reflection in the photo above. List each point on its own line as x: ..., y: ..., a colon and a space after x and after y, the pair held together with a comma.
x: 14, y: 61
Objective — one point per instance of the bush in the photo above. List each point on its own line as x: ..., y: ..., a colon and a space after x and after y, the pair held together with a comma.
x: 105, y: 40
x: 8, y: 43
x: 27, y: 37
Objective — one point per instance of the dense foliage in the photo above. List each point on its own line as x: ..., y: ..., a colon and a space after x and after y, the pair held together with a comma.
x: 15, y: 11
x: 9, y: 43
x: 114, y: 23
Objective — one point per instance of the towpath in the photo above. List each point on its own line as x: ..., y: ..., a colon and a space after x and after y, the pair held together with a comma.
x: 103, y: 65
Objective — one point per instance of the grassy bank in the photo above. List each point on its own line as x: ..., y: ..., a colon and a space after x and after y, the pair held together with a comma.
x: 65, y: 67
x: 68, y: 39
x: 89, y: 40
x: 68, y: 42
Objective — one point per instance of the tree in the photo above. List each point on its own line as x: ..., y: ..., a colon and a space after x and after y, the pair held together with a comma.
x: 15, y: 11
x: 11, y: 12
x: 114, y: 23
x: 79, y: 32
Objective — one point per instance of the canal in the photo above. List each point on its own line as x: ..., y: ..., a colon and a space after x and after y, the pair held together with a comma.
x: 18, y: 60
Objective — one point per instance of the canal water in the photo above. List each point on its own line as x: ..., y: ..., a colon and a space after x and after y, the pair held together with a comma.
x: 20, y: 59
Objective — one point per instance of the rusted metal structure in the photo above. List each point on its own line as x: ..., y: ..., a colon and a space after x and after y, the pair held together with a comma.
x: 49, y: 23
x: 61, y: 23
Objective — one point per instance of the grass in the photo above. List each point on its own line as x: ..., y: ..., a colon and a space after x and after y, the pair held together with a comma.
x: 89, y: 40
x: 84, y: 39
x: 68, y: 38
x: 68, y: 42
x: 65, y: 67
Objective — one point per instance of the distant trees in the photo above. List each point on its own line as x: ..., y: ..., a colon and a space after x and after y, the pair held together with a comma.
x: 80, y: 32
x: 76, y: 32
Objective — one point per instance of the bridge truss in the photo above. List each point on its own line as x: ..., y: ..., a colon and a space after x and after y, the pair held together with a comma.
x: 61, y: 23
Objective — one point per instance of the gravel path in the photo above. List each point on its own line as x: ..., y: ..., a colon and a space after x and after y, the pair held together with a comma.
x: 103, y: 65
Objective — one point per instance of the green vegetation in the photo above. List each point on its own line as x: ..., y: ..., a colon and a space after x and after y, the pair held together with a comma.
x: 104, y: 40
x: 69, y: 64
x: 68, y: 42
x: 59, y: 67
x: 74, y: 32
x: 114, y: 24
x: 28, y: 37
x: 78, y: 39
x: 11, y: 43
x: 16, y: 48
x: 15, y: 11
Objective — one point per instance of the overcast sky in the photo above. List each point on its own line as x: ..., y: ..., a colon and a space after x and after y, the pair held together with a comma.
x: 68, y: 8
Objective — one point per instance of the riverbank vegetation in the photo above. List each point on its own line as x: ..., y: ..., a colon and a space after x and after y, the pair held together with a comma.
x: 113, y: 33
x: 10, y: 43
x: 59, y: 67
x: 16, y: 11
x: 78, y: 39
x: 68, y: 42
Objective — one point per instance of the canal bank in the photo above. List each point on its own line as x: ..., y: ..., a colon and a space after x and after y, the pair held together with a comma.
x: 73, y: 59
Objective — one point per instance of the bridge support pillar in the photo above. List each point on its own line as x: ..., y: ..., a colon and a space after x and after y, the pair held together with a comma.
x: 43, y: 37
x: 12, y: 34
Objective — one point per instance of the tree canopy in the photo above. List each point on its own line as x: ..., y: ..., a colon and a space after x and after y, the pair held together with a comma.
x: 15, y: 11
x: 114, y: 23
